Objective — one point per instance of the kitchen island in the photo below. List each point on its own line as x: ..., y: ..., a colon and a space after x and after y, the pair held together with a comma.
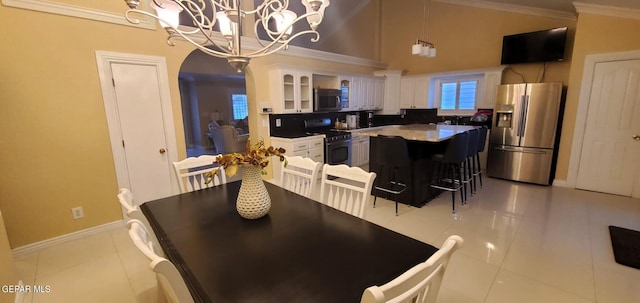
x: 423, y: 141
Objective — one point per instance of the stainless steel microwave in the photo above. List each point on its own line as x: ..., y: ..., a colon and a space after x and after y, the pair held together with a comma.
x: 326, y: 100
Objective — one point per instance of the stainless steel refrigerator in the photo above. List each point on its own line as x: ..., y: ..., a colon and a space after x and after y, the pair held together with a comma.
x: 523, y: 137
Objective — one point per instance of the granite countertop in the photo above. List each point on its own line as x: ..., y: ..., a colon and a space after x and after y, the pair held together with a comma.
x: 419, y: 132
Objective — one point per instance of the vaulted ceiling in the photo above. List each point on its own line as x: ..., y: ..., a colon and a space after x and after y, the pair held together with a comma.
x: 557, y: 5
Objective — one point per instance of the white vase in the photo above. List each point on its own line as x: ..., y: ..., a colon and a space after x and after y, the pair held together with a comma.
x: 253, y: 199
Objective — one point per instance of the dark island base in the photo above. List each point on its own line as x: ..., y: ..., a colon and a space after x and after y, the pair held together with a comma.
x: 417, y: 177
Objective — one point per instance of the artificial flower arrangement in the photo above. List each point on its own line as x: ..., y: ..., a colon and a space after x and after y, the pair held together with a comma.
x: 257, y: 155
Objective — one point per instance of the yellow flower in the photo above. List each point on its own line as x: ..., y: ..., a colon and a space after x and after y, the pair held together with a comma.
x: 257, y: 155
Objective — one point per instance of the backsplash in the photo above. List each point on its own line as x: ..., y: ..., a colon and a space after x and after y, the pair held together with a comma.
x: 292, y: 125
x: 412, y: 116
x: 425, y: 116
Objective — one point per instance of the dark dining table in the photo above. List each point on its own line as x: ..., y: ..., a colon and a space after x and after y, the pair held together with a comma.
x: 301, y: 251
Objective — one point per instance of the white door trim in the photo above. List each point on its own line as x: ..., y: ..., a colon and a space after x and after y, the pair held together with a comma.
x: 583, y: 108
x: 104, y: 60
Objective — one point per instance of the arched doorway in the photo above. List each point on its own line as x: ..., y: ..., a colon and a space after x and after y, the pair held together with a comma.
x: 213, y: 97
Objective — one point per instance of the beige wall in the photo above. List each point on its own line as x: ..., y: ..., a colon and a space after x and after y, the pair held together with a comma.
x: 465, y: 38
x: 55, y: 144
x: 595, y: 35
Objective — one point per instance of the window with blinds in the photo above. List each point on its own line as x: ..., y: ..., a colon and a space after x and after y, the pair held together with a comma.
x: 457, y: 95
x: 239, y: 104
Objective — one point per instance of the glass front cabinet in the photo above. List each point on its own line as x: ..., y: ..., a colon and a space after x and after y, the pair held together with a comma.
x: 292, y: 91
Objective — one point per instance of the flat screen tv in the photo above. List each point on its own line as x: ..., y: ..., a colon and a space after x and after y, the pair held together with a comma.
x: 540, y: 46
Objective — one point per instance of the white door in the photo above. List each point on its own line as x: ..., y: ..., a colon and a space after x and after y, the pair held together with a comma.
x: 610, y: 156
x: 140, y: 122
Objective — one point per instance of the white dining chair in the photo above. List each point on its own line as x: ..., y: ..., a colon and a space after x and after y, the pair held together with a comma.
x: 346, y: 188
x: 419, y: 284
x: 299, y: 175
x: 191, y: 173
x: 126, y: 199
x: 169, y: 279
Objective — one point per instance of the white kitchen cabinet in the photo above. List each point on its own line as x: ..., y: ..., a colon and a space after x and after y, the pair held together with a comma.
x: 359, y: 149
x: 364, y: 150
x: 346, y: 87
x: 307, y: 147
x: 316, y: 150
x: 391, y: 97
x: 360, y: 92
x: 491, y: 82
x: 414, y: 92
x: 355, y: 152
x: 378, y: 93
x: 355, y: 93
x: 291, y: 91
x: 368, y: 93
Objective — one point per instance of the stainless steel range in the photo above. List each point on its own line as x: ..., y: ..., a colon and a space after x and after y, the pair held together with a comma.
x: 337, y: 144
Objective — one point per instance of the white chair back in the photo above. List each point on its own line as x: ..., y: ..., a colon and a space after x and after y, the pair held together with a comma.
x: 191, y: 173
x: 125, y: 196
x: 346, y: 188
x: 128, y: 203
x: 169, y: 277
x: 299, y: 175
x: 419, y: 284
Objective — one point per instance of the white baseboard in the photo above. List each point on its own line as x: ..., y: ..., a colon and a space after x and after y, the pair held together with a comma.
x: 38, y: 246
x: 561, y: 183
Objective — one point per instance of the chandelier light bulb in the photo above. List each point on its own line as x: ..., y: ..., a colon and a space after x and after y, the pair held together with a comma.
x: 315, y: 15
x: 168, y: 13
x: 225, y: 24
x: 425, y: 50
x: 416, y: 49
x: 432, y: 52
x: 316, y: 4
x: 284, y: 22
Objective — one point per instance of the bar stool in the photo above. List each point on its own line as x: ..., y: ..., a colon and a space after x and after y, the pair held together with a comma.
x: 469, y: 168
x: 482, y: 140
x: 450, y: 164
x: 392, y: 154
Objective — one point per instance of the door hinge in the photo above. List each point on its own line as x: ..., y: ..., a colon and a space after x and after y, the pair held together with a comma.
x: 122, y: 143
x: 113, y: 81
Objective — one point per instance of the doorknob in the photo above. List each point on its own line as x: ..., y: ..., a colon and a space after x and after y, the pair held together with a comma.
x: 162, y: 151
x: 636, y: 137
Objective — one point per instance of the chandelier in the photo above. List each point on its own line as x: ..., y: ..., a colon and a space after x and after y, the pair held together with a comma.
x: 421, y: 47
x: 272, y: 16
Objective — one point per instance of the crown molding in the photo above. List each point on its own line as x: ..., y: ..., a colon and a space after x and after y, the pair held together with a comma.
x: 512, y: 8
x: 611, y: 11
x: 251, y: 44
x: 79, y: 12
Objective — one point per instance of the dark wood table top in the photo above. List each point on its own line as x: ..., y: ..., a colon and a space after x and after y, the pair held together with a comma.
x: 302, y: 251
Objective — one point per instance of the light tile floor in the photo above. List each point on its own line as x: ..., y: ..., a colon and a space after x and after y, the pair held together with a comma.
x: 523, y: 243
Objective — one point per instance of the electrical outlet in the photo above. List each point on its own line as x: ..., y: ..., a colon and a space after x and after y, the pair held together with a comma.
x: 77, y: 212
